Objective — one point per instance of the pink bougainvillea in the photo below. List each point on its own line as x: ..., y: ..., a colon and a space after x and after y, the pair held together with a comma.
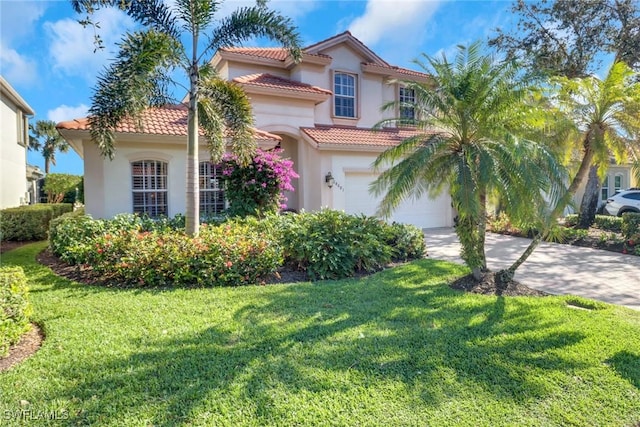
x: 259, y: 187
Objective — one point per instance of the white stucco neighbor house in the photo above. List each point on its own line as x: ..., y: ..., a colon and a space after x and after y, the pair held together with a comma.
x: 320, y: 111
x: 17, y: 179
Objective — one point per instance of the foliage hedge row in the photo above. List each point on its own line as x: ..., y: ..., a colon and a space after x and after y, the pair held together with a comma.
x: 631, y: 229
x: 30, y: 223
x: 603, y: 222
x: 14, y: 307
x: 142, y: 252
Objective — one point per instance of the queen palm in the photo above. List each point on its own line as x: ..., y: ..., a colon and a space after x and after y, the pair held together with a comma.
x: 472, y: 117
x: 605, y: 117
x: 46, y: 139
x: 170, y: 39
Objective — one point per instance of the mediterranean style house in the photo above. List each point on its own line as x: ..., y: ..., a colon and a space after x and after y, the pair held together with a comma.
x: 319, y: 111
x: 17, y: 179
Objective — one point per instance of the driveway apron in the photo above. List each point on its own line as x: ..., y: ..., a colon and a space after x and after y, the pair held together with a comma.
x: 554, y: 268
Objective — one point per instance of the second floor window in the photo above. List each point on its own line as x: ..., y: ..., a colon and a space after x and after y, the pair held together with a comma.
x: 407, y: 96
x: 212, y: 201
x: 344, y: 89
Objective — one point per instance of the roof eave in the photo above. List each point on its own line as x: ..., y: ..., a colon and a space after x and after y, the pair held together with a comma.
x: 247, y: 59
x: 7, y: 90
x: 283, y: 93
x: 392, y: 73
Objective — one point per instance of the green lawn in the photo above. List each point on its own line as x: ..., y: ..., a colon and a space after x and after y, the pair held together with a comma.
x: 397, y: 348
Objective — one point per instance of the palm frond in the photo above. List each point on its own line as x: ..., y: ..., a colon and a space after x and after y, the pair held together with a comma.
x: 248, y: 22
x: 226, y: 112
x: 138, y: 78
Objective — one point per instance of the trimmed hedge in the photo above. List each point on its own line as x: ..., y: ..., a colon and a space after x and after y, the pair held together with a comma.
x: 30, y: 223
x: 14, y: 307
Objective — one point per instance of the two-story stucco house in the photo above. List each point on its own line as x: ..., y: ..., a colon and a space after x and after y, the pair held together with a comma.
x: 320, y: 111
x: 17, y: 179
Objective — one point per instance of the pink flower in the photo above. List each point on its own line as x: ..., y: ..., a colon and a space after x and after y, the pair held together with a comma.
x: 229, y: 264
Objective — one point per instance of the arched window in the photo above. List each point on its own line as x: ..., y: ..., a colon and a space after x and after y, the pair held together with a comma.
x: 149, y: 187
x: 212, y: 201
x: 344, y: 100
x: 409, y: 96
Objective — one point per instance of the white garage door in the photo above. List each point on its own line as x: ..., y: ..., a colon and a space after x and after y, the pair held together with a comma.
x: 424, y: 212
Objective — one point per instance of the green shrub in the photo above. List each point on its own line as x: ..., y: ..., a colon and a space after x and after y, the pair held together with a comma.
x: 332, y: 245
x: 29, y: 223
x: 571, y: 220
x: 406, y: 241
x: 631, y: 229
x: 608, y: 223
x: 220, y: 256
x: 14, y: 307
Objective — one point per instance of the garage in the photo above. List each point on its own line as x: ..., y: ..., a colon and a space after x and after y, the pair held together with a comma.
x: 424, y: 212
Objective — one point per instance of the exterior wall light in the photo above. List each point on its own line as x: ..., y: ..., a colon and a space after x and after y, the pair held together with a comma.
x: 329, y: 179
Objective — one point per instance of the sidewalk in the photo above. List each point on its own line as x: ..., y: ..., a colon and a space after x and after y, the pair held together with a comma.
x: 554, y: 268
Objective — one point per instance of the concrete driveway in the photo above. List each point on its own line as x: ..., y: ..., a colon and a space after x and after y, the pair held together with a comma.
x: 554, y: 268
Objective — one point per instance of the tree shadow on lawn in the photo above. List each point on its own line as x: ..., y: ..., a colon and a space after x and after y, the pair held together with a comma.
x: 318, y: 339
x: 627, y: 365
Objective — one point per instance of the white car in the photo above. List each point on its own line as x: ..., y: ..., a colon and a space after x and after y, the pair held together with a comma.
x: 622, y: 202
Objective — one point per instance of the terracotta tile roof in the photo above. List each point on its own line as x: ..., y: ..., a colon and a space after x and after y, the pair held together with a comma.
x: 276, y: 53
x: 165, y: 120
x: 270, y: 81
x: 343, y: 135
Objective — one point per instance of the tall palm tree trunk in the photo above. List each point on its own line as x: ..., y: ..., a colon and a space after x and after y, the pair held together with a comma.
x: 192, y: 215
x: 506, y: 275
x: 589, y: 204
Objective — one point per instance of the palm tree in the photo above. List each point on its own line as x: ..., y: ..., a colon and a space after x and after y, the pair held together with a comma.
x: 612, y: 106
x: 472, y: 116
x: 46, y: 139
x: 170, y: 39
x: 605, y: 114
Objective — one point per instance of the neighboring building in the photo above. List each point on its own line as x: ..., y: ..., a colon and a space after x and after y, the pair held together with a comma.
x: 320, y: 112
x: 14, y: 140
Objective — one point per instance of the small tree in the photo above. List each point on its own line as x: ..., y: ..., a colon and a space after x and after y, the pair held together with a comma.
x: 56, y: 185
x: 257, y: 188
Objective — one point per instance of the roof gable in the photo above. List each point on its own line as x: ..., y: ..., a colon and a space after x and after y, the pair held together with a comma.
x: 348, y: 39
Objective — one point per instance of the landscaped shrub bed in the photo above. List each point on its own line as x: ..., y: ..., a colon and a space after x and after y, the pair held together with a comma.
x: 14, y: 307
x: 29, y: 223
x: 142, y: 252
x: 631, y: 232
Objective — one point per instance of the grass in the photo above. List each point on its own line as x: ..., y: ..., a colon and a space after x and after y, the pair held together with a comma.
x: 397, y: 348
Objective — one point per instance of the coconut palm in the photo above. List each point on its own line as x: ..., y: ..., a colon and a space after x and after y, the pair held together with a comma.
x: 46, y: 139
x: 605, y: 116
x: 472, y: 116
x: 171, y: 38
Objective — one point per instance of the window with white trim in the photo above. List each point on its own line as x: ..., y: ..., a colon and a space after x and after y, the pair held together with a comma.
x: 604, y: 191
x: 408, y: 96
x: 344, y: 98
x: 212, y: 201
x: 149, y: 187
x: 617, y: 183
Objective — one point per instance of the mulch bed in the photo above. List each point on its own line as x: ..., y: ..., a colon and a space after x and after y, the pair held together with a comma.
x: 488, y: 286
x: 27, y: 346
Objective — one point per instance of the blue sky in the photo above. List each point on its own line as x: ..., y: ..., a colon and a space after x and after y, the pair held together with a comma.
x: 49, y: 58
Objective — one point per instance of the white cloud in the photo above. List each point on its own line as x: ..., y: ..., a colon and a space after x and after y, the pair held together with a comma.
x: 397, y: 20
x: 72, y: 49
x: 17, y: 19
x: 17, y: 68
x: 65, y: 112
